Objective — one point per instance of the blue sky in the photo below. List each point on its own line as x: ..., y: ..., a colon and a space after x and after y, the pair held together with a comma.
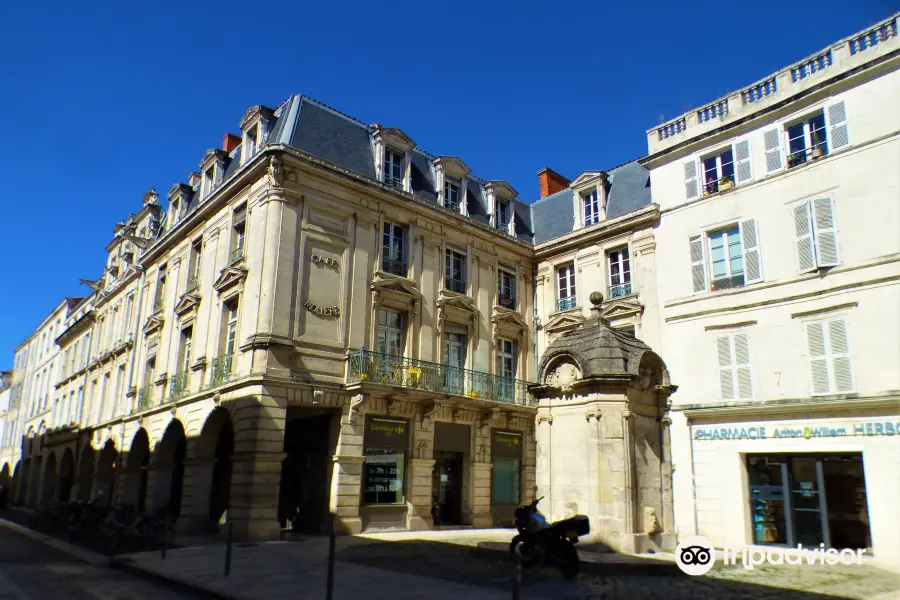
x: 102, y: 100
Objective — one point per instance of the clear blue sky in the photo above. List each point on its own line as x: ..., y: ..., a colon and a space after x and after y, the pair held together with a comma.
x: 102, y: 100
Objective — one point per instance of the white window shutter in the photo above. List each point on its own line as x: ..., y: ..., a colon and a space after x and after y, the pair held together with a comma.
x: 742, y: 167
x: 726, y: 370
x: 838, y: 136
x: 806, y: 255
x: 691, y: 185
x: 750, y: 249
x: 825, y: 232
x: 741, y: 347
x: 772, y: 138
x: 818, y: 358
x: 840, y: 355
x: 698, y: 264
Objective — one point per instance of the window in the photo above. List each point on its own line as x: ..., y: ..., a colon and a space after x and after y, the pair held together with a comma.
x: 196, y: 257
x: 129, y: 309
x: 390, y: 333
x: 209, y: 178
x: 507, y: 485
x: 815, y: 235
x: 451, y: 196
x: 392, y: 246
x: 455, y: 362
x: 829, y: 356
x: 726, y: 258
x: 385, y: 442
x: 186, y: 339
x: 237, y: 253
x: 231, y: 315
x: 393, y: 169
x: 159, y: 303
x: 455, y: 278
x: 715, y: 170
x: 590, y: 208
x: 252, y: 142
x: 565, y: 279
x: 735, y: 381
x: 619, y: 273
x: 806, y: 140
x: 506, y: 369
x: 120, y: 390
x: 501, y: 214
x: 506, y: 289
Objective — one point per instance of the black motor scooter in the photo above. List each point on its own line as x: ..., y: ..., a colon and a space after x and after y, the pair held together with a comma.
x: 539, y: 542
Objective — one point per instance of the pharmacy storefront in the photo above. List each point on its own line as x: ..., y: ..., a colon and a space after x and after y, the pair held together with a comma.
x: 832, y: 482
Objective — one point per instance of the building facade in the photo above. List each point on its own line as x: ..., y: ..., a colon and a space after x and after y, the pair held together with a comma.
x: 778, y: 262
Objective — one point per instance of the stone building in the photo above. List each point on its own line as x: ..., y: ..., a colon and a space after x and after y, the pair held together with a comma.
x: 778, y: 266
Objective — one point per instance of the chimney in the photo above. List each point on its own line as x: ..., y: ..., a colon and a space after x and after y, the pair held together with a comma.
x: 230, y: 142
x: 551, y: 182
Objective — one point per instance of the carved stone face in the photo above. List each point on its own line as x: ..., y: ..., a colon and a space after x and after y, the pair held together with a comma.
x: 564, y: 375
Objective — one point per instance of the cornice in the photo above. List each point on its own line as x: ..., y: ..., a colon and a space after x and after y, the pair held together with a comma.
x: 597, y: 233
x: 888, y: 400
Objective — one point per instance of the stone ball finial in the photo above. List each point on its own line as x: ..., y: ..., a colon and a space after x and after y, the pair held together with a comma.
x: 596, y: 298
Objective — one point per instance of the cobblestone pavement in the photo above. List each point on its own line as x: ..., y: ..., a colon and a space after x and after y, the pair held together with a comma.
x: 30, y: 570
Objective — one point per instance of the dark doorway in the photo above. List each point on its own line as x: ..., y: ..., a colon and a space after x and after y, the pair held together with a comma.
x: 309, y: 445
x: 220, y: 490
x: 177, y: 487
x: 446, y: 488
x: 845, y: 496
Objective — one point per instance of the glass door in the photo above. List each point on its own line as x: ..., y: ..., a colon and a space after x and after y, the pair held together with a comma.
x: 455, y: 362
x: 769, y: 503
x: 808, y: 501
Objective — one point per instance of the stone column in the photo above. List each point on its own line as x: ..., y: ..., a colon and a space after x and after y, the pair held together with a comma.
x: 421, y: 466
x: 629, y: 470
x: 198, y: 473
x: 482, y: 467
x: 256, y: 468
x: 666, y: 472
x: 543, y: 466
x: 346, y: 477
x: 592, y: 417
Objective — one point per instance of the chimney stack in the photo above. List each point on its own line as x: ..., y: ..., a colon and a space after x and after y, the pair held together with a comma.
x: 230, y: 142
x: 551, y: 182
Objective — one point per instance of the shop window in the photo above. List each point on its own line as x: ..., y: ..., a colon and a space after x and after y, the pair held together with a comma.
x: 385, y: 461
x: 506, y: 484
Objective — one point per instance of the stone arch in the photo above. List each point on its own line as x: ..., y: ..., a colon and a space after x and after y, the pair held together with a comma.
x: 34, y: 481
x: 652, y: 371
x: 169, y: 458
x: 105, y: 474
x: 22, y: 484
x: 66, y: 476
x: 213, y: 452
x: 15, y: 482
x: 137, y: 472
x: 48, y: 481
x: 5, y: 493
x: 85, y: 479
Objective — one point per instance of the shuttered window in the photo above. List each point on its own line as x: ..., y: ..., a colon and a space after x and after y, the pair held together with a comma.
x: 735, y: 377
x: 815, y: 235
x: 726, y: 258
x: 829, y: 356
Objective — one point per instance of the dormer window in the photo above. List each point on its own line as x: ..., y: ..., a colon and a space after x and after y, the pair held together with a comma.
x: 252, y: 142
x: 209, y: 181
x: 501, y: 214
x: 393, y: 168
x: 255, y: 125
x: 451, y: 196
x: 590, y: 208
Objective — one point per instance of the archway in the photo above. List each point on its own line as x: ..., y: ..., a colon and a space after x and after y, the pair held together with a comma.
x: 14, y: 483
x: 137, y: 469
x: 106, y: 474
x: 48, y: 482
x: 22, y: 483
x: 212, y: 477
x: 85, y: 474
x: 66, y: 476
x: 171, y: 453
x: 5, y: 493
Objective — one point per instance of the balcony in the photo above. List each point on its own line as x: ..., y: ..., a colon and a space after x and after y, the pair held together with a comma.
x: 801, y: 157
x: 236, y: 255
x: 193, y: 284
x: 373, y: 367
x: 455, y: 285
x: 566, y: 303
x: 395, y: 182
x: 506, y: 301
x: 145, y: 398
x: 394, y: 267
x: 221, y: 369
x: 619, y: 290
x: 178, y: 385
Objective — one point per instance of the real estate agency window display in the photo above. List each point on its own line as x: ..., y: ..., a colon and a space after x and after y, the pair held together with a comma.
x: 384, y: 471
x: 506, y: 453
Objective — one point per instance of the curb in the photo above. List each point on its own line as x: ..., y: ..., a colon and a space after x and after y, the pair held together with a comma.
x: 74, y: 551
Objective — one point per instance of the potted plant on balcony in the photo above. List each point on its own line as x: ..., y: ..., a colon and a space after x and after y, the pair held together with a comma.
x: 817, y: 146
x: 726, y: 183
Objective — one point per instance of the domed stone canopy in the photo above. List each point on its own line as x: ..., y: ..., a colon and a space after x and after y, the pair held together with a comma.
x: 597, y: 351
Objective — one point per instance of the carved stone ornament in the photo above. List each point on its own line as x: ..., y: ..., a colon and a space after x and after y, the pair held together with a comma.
x: 564, y: 375
x: 651, y: 522
x: 357, y: 403
x: 544, y: 416
x: 274, y: 172
x: 430, y: 413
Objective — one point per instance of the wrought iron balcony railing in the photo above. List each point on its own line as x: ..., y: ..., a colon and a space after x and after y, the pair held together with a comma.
x: 456, y: 285
x: 619, y: 290
x: 366, y: 365
x: 236, y: 255
x: 392, y: 181
x: 566, y: 303
x: 178, y: 385
x: 221, y: 369
x: 506, y: 301
x: 193, y: 284
x: 394, y: 267
x: 145, y: 398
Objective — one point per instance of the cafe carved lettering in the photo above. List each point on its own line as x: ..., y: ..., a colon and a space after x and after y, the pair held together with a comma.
x: 326, y: 261
x: 325, y: 311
